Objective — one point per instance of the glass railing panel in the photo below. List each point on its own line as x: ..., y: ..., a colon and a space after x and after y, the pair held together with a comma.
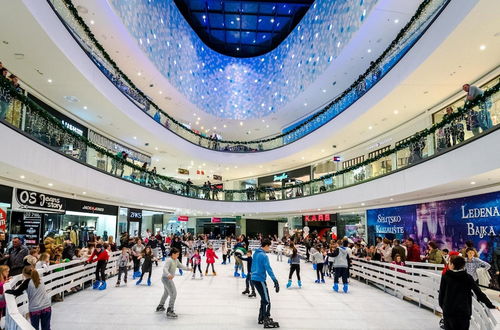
x: 409, y: 35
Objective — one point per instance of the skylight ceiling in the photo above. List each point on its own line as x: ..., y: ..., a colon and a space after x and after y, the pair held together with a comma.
x: 242, y: 88
x: 243, y: 28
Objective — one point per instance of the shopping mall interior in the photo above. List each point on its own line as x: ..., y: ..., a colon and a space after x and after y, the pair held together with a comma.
x: 326, y: 163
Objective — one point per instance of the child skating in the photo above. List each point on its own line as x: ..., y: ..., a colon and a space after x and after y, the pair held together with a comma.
x: 147, y: 265
x: 341, y: 267
x: 211, y: 256
x: 248, y: 280
x: 122, y: 262
x: 167, y: 279
x: 294, y: 261
x: 101, y: 256
x: 317, y: 259
x: 261, y: 266
x: 196, y: 262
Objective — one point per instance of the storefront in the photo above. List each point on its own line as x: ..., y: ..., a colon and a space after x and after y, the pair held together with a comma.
x: 137, y: 222
x: 274, y: 186
x: 216, y: 227
x: 36, y: 216
x: 351, y: 225
x: 319, y: 224
x: 5, y: 203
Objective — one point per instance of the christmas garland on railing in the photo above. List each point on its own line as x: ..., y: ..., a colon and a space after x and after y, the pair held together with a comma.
x: 374, y: 66
x: 6, y: 85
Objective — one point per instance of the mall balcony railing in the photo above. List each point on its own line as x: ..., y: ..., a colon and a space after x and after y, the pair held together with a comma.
x: 21, y: 113
x: 423, y: 18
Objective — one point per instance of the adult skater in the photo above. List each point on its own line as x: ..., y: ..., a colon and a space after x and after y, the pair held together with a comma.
x: 101, y: 256
x: 340, y: 266
x: 137, y: 250
x: 167, y: 279
x: 260, y: 266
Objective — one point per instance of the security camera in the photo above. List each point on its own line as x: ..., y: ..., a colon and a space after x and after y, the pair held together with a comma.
x: 334, y: 146
x: 151, y: 85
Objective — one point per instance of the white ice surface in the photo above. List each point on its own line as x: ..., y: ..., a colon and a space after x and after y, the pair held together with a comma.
x: 216, y: 302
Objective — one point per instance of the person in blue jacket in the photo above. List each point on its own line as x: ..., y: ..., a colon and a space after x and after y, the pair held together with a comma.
x: 261, y: 266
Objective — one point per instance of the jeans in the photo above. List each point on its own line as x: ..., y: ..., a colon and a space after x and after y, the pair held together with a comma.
x: 42, y: 317
x: 279, y: 257
x: 168, y: 291
x: 124, y: 271
x: 294, y: 268
x: 249, y: 282
x: 341, y: 272
x: 265, y: 301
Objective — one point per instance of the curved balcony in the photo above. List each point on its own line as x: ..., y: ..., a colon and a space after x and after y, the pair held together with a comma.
x: 425, y: 15
x: 36, y: 123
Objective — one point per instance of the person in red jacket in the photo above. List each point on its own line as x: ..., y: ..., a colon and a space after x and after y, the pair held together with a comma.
x: 101, y: 256
x: 211, y: 256
x: 413, y: 251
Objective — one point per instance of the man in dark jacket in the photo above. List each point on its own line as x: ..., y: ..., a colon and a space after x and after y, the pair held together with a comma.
x: 15, y: 256
x: 398, y: 249
x: 455, y: 295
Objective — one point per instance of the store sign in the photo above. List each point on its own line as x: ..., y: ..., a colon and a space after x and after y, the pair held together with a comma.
x: 31, y: 228
x: 200, y: 172
x: 280, y: 177
x: 90, y: 207
x: 183, y: 171
x: 5, y: 194
x: 317, y: 217
x: 217, y: 177
x: 134, y: 215
x: 72, y: 127
x: 26, y: 200
x: 3, y: 220
x: 216, y: 220
x: 450, y: 223
x: 183, y: 218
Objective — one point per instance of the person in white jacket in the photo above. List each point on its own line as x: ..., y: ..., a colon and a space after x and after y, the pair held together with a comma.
x: 279, y: 251
x: 167, y: 278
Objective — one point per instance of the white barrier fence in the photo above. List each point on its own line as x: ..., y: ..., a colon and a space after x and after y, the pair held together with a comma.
x: 58, y: 280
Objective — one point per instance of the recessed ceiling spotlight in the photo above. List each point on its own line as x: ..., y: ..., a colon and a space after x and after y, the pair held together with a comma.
x: 92, y: 22
x: 392, y: 199
x: 396, y: 21
x: 22, y: 177
x: 473, y: 182
x: 370, y: 127
x: 138, y: 73
x: 340, y: 207
x: 369, y: 50
x: 156, y: 148
x: 302, y: 157
x: 482, y: 47
x: 305, y: 104
x: 84, y: 192
x: 319, y: 209
x: 225, y: 125
x: 362, y: 204
x: 235, y: 166
x: 84, y: 107
x: 324, y: 91
x: 322, y: 150
x: 396, y: 112
x: 160, y: 92
x: 241, y: 123
x: 267, y: 126
x: 135, y: 137
x: 49, y: 81
x: 50, y: 184
x: 215, y: 127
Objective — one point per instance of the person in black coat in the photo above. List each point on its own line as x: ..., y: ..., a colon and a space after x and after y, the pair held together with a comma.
x: 455, y: 295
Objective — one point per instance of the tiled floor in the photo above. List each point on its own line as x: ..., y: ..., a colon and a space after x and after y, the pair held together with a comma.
x: 216, y: 302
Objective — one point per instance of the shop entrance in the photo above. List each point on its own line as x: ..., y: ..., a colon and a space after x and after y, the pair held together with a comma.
x: 222, y: 229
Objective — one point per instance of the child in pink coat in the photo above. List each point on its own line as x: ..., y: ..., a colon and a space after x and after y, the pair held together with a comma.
x: 211, y: 256
x: 196, y: 262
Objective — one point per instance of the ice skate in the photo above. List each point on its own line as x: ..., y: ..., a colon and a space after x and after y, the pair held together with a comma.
x: 243, y: 275
x: 322, y: 281
x: 246, y: 291
x: 192, y: 277
x: 236, y: 274
x: 252, y: 295
x: 102, y: 286
x: 160, y: 308
x: 171, y: 314
x: 269, y: 323
x: 289, y: 284
x: 206, y: 273
x: 180, y: 272
x: 317, y: 281
x: 138, y: 282
x: 345, y: 288
x: 214, y: 274
x: 299, y: 283
x: 117, y: 284
x: 336, y: 287
x: 149, y: 282
x: 96, y: 285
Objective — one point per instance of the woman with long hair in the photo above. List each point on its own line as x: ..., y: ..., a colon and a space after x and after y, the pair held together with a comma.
x: 294, y: 261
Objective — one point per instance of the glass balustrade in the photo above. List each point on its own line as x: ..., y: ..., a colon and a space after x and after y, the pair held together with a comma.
x: 466, y: 122
x: 410, y: 34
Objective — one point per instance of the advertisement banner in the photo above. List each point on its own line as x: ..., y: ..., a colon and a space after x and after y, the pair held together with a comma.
x: 3, y: 220
x: 30, y: 228
x: 449, y: 223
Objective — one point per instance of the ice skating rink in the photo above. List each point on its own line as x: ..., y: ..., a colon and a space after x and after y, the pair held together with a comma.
x: 216, y: 302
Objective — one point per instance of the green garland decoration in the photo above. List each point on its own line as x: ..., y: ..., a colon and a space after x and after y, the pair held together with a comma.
x: 371, y: 69
x: 6, y: 85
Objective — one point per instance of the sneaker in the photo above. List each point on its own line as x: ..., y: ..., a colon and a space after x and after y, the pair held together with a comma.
x: 252, y: 295
x: 246, y: 291
x: 160, y: 308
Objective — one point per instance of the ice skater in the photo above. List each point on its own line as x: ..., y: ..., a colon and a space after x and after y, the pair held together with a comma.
x: 196, y: 262
x: 248, y: 280
x: 294, y: 261
x: 101, y: 256
x: 137, y: 250
x: 147, y: 264
x: 122, y: 263
x: 340, y: 266
x: 261, y: 266
x: 167, y: 279
x: 239, y: 250
x: 318, y: 260
x: 279, y: 251
x: 211, y: 256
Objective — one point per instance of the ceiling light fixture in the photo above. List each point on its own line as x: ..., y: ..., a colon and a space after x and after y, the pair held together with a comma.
x: 84, y: 193
x: 369, y: 50
x: 92, y: 22
x: 84, y: 107
x: 396, y: 112
x: 473, y: 182
x: 138, y: 73
x: 396, y: 21
x: 50, y: 184
x: 370, y: 127
x: 49, y: 81
x: 241, y: 123
x: 135, y: 137
x: 362, y: 204
x: 482, y: 47
x: 22, y: 177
